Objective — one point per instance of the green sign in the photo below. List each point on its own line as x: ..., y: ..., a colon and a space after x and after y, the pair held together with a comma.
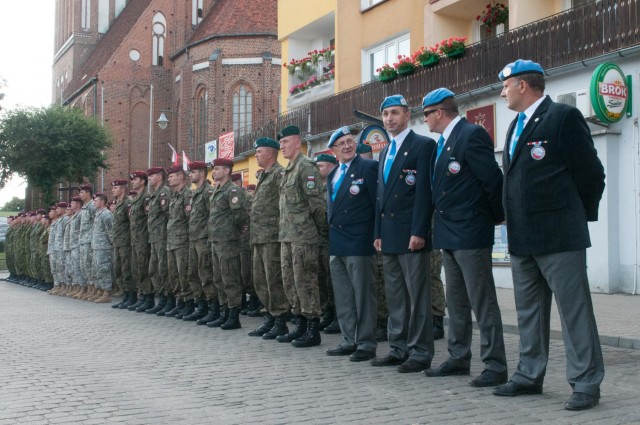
x: 609, y: 93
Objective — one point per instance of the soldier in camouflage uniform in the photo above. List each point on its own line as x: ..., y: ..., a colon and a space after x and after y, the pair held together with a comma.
x: 74, y: 244
x: 140, y: 250
x: 329, y: 322
x: 54, y: 216
x: 87, y: 213
x: 178, y: 245
x: 65, y: 250
x: 102, y: 249
x: 264, y: 219
x: 227, y: 217
x: 43, y: 248
x: 121, y: 240
x: 302, y: 215
x: 158, y: 213
x: 35, y: 272
x: 200, y: 268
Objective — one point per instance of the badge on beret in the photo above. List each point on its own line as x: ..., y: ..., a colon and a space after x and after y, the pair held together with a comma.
x: 506, y: 71
x: 454, y: 167
x: 354, y: 189
x: 234, y: 200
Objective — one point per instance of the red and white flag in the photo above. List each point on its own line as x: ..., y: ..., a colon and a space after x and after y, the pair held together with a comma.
x: 175, y: 160
x: 185, y: 162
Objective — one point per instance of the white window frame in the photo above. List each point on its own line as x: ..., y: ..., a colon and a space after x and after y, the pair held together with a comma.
x: 390, y: 51
x: 157, y: 40
x: 367, y: 4
x: 85, y: 16
x: 195, y: 6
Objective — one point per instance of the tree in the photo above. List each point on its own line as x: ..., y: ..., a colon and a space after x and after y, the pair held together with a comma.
x: 15, y: 204
x: 51, y: 145
x: 3, y: 84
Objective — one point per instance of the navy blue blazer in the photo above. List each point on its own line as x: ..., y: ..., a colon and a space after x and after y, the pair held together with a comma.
x: 403, y: 204
x: 467, y: 190
x: 553, y: 184
x: 351, y: 216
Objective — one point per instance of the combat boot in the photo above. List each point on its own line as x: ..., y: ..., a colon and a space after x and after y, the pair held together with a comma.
x: 311, y: 337
x: 147, y: 304
x: 169, y: 305
x: 88, y: 294
x: 81, y: 293
x: 381, y: 330
x: 213, y: 314
x: 138, y: 303
x: 438, y: 327
x: 96, y: 294
x: 187, y: 310
x: 224, y: 316
x: 201, y: 311
x: 233, y: 321
x: 279, y: 328
x: 124, y: 299
x: 255, y: 307
x: 327, y: 318
x: 266, y: 326
x: 162, y: 301
x: 177, y: 309
x: 132, y: 300
x: 298, y: 331
x: 333, y: 328
x: 104, y: 298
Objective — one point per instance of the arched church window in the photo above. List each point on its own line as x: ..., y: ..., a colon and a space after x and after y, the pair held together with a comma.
x: 242, y: 110
x: 159, y: 30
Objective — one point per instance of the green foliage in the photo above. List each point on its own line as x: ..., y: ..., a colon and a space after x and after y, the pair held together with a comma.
x: 15, y: 204
x: 51, y: 145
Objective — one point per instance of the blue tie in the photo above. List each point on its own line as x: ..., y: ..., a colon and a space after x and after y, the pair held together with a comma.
x: 336, y: 186
x: 390, y: 155
x: 440, y: 147
x: 519, y: 128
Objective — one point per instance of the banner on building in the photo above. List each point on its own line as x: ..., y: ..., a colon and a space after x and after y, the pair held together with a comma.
x: 485, y: 117
x: 226, y: 145
x: 210, y: 151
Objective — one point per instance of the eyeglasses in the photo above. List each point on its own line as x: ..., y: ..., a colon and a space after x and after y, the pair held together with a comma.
x: 349, y: 142
x: 427, y: 113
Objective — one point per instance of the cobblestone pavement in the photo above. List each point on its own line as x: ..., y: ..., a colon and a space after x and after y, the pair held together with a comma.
x: 67, y: 361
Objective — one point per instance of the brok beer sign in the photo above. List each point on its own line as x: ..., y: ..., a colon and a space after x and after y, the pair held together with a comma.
x: 609, y: 93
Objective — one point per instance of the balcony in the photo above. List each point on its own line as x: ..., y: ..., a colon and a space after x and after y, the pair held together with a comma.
x: 578, y: 34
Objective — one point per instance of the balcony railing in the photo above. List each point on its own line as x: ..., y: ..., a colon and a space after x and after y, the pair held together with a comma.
x: 582, y: 33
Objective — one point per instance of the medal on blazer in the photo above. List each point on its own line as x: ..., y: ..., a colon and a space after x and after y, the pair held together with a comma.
x: 454, y: 167
x: 410, y: 179
x: 537, y: 152
x: 354, y: 189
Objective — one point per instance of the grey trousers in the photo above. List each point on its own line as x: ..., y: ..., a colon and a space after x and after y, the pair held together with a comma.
x: 410, y: 324
x: 563, y: 275
x: 354, y: 292
x: 470, y: 287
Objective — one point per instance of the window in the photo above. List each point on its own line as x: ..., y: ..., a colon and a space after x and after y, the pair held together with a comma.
x: 120, y: 4
x: 385, y: 53
x: 242, y: 110
x: 159, y: 31
x: 366, y: 4
x: 103, y: 16
x: 201, y: 117
x: 196, y: 11
x: 85, y: 17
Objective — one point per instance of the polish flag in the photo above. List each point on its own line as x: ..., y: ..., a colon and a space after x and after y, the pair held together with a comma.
x: 175, y: 160
x: 185, y: 162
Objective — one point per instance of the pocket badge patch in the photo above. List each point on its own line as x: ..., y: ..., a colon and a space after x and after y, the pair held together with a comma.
x: 454, y: 167
x: 354, y: 189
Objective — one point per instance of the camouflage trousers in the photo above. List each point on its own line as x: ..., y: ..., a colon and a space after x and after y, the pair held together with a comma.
x: 65, y: 263
x: 158, y: 272
x: 86, y: 261
x: 122, y: 268
x: 35, y: 266
x: 75, y: 268
x: 300, y: 277
x: 383, y: 313
x: 140, y: 267
x: 47, y: 274
x: 102, y: 267
x: 200, y: 271
x: 267, y: 277
x: 325, y: 288
x: 53, y: 266
x: 225, y: 261
x: 178, y: 269
x: 438, y: 302
x: 246, y: 271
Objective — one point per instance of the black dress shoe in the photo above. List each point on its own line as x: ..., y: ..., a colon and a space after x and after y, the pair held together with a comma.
x: 362, y: 355
x: 387, y: 360
x: 581, y: 401
x: 489, y: 378
x: 341, y: 351
x: 512, y: 389
x: 447, y: 368
x: 411, y: 366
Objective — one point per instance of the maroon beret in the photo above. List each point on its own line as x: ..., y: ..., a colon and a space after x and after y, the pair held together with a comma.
x: 197, y: 165
x: 76, y: 199
x: 222, y: 162
x: 62, y: 205
x: 251, y: 187
x: 236, y: 176
x: 98, y: 194
x: 133, y: 193
x: 86, y: 187
x: 137, y: 173
x: 32, y: 213
x: 41, y: 211
x: 174, y: 169
x: 155, y: 170
x: 22, y: 214
x: 120, y: 182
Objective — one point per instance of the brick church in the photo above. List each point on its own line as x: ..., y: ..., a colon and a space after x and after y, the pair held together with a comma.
x: 211, y: 66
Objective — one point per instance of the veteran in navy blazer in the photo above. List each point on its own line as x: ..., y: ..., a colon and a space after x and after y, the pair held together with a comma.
x: 351, y: 200
x: 402, y: 234
x: 553, y: 184
x: 467, y: 196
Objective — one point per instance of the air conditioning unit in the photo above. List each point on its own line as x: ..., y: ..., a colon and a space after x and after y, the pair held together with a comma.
x: 578, y: 99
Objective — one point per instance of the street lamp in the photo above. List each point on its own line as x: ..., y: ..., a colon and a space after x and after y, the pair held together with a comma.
x: 163, y: 121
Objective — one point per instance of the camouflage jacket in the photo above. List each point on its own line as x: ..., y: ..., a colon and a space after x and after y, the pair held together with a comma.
x: 74, y: 224
x: 53, y: 233
x: 199, y: 212
x: 228, y: 213
x: 120, y: 233
x: 158, y: 214
x: 178, y: 224
x: 265, y: 212
x: 102, y: 224
x: 87, y: 213
x: 138, y: 219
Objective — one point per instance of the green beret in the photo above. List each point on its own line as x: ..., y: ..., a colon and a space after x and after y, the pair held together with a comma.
x: 323, y: 157
x: 265, y: 142
x: 291, y: 130
x: 363, y: 148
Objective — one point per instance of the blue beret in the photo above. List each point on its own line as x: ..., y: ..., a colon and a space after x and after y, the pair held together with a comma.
x: 291, y: 130
x: 266, y: 142
x: 363, y: 148
x: 436, y: 97
x: 520, y: 67
x: 323, y: 157
x: 395, y: 100
x: 342, y: 131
